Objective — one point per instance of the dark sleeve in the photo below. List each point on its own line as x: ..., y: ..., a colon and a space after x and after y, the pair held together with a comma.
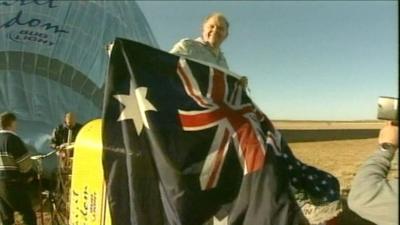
x: 17, y: 147
x: 20, y: 154
x: 76, y: 130
x: 79, y: 127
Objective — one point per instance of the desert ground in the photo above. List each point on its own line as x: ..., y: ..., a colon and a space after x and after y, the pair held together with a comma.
x: 340, y: 157
x: 336, y: 147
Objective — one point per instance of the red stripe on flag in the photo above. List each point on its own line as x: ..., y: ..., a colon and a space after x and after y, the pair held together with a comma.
x: 201, y: 119
x: 218, y: 89
x: 253, y: 153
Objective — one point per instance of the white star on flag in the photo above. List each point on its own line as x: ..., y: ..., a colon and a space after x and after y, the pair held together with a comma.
x: 136, y: 106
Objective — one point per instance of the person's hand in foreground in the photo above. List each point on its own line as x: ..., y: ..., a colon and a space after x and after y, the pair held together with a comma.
x: 389, y: 134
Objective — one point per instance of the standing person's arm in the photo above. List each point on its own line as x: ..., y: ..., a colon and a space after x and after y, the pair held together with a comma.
x: 372, y: 195
x: 21, y: 155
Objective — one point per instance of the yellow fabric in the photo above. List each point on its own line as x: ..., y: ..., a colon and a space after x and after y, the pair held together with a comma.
x: 88, y: 189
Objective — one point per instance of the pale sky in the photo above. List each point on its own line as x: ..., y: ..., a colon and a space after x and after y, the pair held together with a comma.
x: 305, y: 60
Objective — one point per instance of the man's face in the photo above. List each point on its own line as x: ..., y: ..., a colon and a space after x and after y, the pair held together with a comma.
x: 70, y: 120
x: 215, y: 31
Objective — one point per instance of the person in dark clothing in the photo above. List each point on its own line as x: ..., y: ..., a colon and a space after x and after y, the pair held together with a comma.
x: 16, y: 171
x: 65, y: 133
x: 62, y: 141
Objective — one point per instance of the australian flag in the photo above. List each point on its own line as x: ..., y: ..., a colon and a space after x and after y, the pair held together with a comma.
x: 184, y: 142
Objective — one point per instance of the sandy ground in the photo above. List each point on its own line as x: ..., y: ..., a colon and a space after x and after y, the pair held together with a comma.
x: 342, y: 159
x: 322, y: 125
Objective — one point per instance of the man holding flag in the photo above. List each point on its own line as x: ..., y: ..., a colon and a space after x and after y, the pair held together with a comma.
x: 181, y: 139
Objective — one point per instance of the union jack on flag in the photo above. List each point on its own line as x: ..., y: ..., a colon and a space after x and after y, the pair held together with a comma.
x: 182, y: 139
x: 236, y: 122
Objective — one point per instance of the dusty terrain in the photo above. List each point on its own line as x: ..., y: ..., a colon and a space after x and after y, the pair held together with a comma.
x: 324, y: 125
x: 339, y: 157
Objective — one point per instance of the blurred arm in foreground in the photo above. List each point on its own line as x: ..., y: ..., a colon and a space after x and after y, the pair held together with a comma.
x: 373, y: 196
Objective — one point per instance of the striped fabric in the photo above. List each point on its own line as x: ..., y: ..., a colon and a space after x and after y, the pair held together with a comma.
x: 14, y: 157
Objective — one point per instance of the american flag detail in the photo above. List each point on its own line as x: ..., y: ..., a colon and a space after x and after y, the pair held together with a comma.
x: 236, y: 122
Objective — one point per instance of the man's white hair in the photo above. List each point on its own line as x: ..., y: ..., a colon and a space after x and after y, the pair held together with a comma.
x: 216, y: 14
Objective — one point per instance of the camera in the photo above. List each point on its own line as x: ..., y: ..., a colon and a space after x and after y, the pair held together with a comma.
x: 388, y: 108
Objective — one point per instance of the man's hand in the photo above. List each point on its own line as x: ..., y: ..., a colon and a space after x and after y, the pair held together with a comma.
x: 389, y: 134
